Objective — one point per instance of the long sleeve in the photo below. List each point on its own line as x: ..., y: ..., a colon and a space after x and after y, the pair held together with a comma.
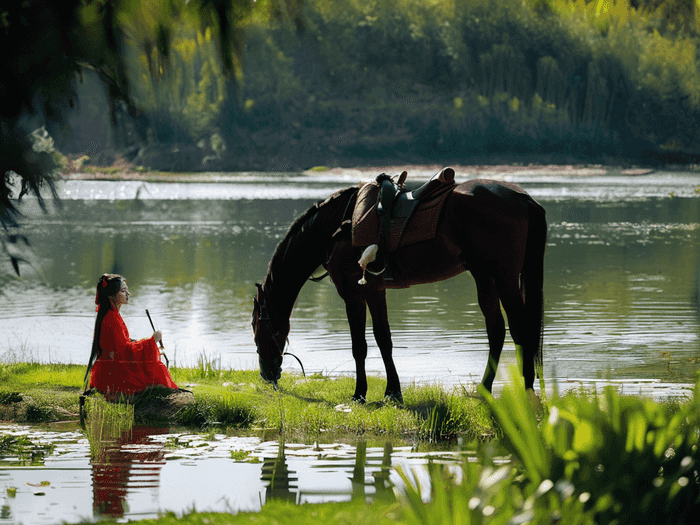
x: 127, y: 366
x: 116, y: 344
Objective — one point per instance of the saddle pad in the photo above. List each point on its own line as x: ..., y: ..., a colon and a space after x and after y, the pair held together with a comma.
x: 365, y: 218
x: 421, y: 226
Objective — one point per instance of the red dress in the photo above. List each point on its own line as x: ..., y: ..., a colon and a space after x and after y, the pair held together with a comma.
x: 126, y: 366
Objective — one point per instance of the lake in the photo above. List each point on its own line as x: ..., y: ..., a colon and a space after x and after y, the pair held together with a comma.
x: 151, y: 472
x: 620, y: 279
x: 620, y: 284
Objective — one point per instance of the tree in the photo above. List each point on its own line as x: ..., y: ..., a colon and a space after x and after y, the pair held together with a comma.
x: 48, y: 45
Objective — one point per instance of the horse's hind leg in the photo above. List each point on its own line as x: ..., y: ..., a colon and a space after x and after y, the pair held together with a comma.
x: 376, y: 302
x: 522, y: 334
x: 357, y: 319
x: 495, y: 325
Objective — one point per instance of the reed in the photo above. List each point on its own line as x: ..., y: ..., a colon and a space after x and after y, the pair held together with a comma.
x: 106, y: 423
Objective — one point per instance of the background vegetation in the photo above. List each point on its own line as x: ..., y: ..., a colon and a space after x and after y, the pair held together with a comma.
x: 350, y: 82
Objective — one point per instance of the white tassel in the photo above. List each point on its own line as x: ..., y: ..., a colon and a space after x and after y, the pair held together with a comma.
x: 368, y: 256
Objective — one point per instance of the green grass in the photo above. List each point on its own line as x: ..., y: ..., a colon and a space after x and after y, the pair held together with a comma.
x: 33, y: 392
x: 314, y: 408
x: 106, y: 424
x: 278, y: 512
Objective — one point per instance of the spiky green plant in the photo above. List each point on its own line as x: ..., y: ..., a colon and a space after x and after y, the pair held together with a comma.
x: 106, y: 422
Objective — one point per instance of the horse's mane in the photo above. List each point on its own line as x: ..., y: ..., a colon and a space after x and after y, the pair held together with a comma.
x: 308, y: 224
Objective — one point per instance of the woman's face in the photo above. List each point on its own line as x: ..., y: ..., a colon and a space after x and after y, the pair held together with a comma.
x: 122, y: 296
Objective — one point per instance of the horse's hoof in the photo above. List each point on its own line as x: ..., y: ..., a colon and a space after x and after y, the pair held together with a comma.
x: 359, y: 399
x: 535, y: 402
x: 395, y: 397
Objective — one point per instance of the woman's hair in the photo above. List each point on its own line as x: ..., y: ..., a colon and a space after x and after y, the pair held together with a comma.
x: 107, y: 287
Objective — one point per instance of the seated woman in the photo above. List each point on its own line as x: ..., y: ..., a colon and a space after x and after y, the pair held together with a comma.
x: 122, y: 365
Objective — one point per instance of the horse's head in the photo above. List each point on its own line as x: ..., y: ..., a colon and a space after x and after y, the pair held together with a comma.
x: 270, y: 336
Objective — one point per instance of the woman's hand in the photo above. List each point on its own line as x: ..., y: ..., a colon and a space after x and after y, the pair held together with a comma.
x: 157, y: 336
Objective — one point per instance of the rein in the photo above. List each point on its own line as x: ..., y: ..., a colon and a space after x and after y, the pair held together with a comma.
x: 298, y: 360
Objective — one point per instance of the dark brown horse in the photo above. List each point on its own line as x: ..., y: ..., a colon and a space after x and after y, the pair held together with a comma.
x: 493, y: 229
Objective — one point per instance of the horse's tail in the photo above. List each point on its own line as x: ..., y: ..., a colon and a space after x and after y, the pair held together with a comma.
x: 533, y: 276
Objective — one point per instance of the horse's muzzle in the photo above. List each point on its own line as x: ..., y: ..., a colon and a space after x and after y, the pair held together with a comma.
x: 270, y: 369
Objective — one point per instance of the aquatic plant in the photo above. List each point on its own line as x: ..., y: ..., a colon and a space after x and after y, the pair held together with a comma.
x: 24, y: 450
x: 106, y: 422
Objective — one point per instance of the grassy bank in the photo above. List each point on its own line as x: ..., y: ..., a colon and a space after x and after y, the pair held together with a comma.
x: 583, y: 457
x: 315, y: 408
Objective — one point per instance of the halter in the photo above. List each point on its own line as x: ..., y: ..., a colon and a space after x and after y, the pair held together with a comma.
x: 264, y: 316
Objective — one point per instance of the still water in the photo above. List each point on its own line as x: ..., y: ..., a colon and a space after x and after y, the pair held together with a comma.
x: 149, y: 472
x: 620, y: 278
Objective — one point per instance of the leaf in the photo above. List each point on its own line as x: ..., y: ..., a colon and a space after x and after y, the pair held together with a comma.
x: 40, y: 484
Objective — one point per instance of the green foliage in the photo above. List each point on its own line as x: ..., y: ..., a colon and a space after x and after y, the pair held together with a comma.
x: 487, y: 494
x: 276, y: 512
x: 7, y: 397
x: 47, y: 46
x: 631, y: 460
x: 474, y: 77
x: 25, y: 452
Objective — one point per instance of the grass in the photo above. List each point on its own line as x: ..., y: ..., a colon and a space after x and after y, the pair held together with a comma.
x: 277, y: 512
x: 106, y: 423
x: 312, y: 409
x: 33, y: 392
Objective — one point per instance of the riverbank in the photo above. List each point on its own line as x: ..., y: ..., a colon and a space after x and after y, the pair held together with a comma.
x: 463, y: 172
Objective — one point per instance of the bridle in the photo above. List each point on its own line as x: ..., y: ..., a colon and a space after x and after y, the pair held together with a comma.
x: 263, y: 315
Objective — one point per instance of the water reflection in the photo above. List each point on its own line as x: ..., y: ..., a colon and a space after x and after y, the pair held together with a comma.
x: 378, y: 481
x: 132, y: 462
x: 280, y: 482
x: 146, y: 472
x: 620, y: 269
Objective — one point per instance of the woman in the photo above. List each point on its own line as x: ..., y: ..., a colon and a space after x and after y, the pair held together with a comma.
x: 122, y: 365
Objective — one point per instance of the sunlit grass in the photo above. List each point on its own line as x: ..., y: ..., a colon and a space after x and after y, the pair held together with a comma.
x: 278, y: 512
x: 589, y: 457
x: 313, y: 408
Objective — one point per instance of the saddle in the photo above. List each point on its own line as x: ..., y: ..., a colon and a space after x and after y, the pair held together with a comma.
x: 387, y: 215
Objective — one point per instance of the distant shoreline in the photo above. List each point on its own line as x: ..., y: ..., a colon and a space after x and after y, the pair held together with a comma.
x: 418, y: 171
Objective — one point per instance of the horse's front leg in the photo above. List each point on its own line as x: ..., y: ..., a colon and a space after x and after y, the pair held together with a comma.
x: 382, y: 334
x: 356, y: 310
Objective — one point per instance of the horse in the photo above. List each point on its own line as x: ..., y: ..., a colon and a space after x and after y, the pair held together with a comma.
x: 493, y: 229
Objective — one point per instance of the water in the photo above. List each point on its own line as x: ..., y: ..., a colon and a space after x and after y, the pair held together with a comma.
x: 150, y: 472
x: 620, y: 276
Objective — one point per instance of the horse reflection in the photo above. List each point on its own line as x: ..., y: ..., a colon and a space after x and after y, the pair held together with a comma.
x: 281, y: 483
x: 379, y: 480
x: 279, y: 479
